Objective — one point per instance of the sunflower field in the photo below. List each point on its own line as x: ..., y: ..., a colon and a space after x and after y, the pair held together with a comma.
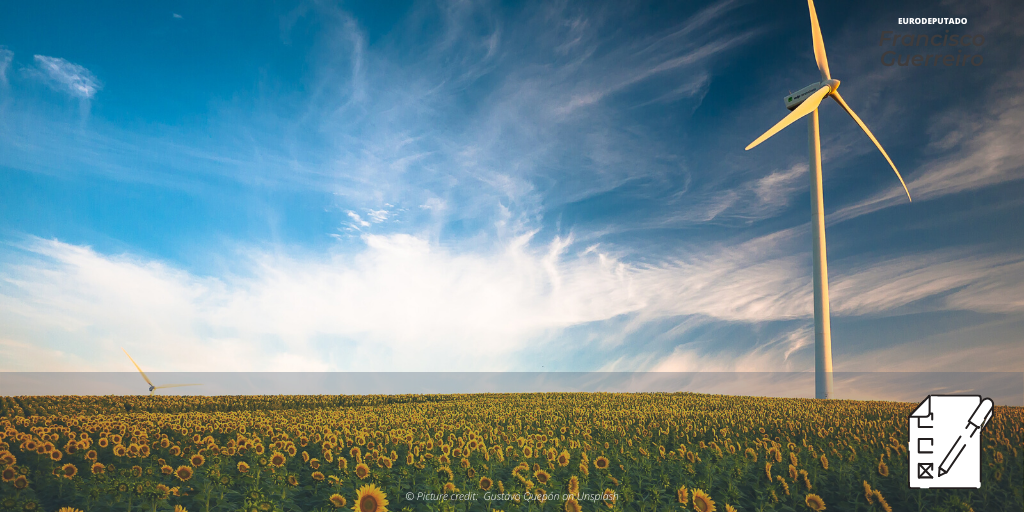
x: 480, y: 452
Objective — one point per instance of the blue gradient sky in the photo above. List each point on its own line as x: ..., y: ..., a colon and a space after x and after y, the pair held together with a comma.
x: 463, y: 186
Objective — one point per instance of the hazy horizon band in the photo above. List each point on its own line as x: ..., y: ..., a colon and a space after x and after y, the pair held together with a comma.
x: 1005, y: 388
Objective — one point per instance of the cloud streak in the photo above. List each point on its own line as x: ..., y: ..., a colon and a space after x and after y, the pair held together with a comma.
x: 67, y: 77
x: 6, y: 57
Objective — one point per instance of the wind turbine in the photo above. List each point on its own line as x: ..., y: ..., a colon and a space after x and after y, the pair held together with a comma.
x: 803, y: 102
x: 153, y: 388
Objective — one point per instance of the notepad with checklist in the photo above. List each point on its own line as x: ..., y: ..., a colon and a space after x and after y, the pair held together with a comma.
x: 945, y: 441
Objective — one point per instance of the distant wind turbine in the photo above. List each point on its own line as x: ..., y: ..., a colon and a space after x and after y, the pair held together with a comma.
x: 803, y: 102
x: 153, y: 388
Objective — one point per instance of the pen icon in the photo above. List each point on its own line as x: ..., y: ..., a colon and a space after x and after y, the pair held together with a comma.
x: 977, y: 422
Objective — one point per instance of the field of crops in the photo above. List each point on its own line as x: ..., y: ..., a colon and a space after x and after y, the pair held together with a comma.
x: 559, y: 451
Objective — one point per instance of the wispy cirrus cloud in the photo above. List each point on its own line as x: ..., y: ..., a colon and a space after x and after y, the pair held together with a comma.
x: 6, y: 57
x: 67, y: 77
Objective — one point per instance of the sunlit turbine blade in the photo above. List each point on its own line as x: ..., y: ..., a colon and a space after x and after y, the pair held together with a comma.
x: 805, y: 108
x: 175, y: 386
x: 819, y: 45
x: 137, y: 367
x: 839, y: 100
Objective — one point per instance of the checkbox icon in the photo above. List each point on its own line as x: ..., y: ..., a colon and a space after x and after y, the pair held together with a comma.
x: 924, y: 470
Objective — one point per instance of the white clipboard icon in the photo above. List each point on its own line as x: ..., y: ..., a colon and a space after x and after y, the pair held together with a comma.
x: 945, y: 441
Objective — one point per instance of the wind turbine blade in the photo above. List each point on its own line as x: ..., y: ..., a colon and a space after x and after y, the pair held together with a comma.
x: 805, y: 108
x: 175, y: 386
x: 839, y: 100
x: 819, y: 45
x: 137, y: 366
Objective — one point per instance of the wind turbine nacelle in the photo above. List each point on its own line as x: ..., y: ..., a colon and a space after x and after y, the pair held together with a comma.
x: 795, y: 99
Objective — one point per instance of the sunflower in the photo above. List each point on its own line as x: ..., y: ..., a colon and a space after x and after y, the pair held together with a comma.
x: 528, y: 452
x: 683, y: 495
x: 243, y: 467
x: 184, y: 473
x: 785, y: 486
x: 464, y: 463
x: 197, y: 460
x: 277, y: 459
x: 792, y: 472
x: 806, y: 479
x: 20, y: 482
x: 362, y: 471
x: 749, y: 453
x: 98, y: 468
x: 702, y: 502
x: 179, y: 508
x: 67, y: 471
x: 450, y: 488
x: 609, y: 497
x: 730, y: 508
x: 824, y: 461
x: 68, y: 509
x: 814, y: 502
x: 563, y: 459
x: 120, y: 450
x: 9, y: 473
x: 165, y: 469
x: 601, y: 462
x: 318, y: 476
x: 883, y: 469
x: 485, y: 483
x: 337, y: 500
x: 571, y: 505
x: 881, y: 501
x: 768, y: 470
x: 574, y: 486
x: 91, y: 455
x: 542, y: 476
x: 56, y: 455
x: 370, y: 499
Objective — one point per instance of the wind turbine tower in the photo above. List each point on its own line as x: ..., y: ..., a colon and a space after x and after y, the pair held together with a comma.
x: 801, y: 103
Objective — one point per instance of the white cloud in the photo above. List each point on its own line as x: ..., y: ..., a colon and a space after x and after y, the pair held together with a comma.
x: 434, y: 204
x: 68, y: 77
x: 360, y: 223
x: 176, y: 16
x: 378, y: 216
x: 6, y: 56
x: 405, y: 303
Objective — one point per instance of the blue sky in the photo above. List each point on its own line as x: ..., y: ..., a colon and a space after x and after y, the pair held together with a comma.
x: 464, y: 186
